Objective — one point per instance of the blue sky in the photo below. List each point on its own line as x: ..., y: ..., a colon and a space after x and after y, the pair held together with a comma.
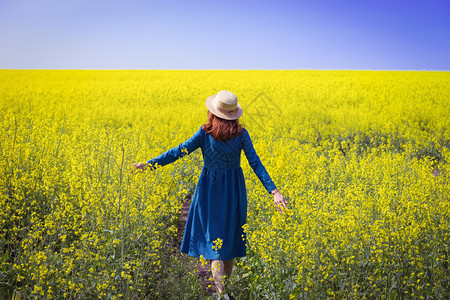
x: 279, y: 34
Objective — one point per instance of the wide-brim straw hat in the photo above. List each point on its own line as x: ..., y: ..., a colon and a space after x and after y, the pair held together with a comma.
x: 224, y: 105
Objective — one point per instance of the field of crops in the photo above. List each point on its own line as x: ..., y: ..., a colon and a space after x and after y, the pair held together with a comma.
x: 362, y: 157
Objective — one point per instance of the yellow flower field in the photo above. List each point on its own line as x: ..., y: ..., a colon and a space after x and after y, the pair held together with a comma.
x: 362, y: 157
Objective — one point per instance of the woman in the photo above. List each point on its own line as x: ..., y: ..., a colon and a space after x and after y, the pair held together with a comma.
x: 219, y: 204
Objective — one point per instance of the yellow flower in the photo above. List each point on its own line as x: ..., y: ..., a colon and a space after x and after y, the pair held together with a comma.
x: 217, y: 244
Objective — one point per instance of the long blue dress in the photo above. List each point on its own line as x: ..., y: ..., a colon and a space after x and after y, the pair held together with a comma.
x: 219, y: 204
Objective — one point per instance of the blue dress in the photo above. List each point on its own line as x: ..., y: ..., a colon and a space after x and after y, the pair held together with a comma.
x: 219, y: 204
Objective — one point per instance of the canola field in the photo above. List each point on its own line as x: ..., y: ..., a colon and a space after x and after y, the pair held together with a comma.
x: 362, y: 157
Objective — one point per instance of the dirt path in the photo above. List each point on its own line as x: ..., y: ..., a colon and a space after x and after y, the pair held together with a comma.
x: 203, y: 271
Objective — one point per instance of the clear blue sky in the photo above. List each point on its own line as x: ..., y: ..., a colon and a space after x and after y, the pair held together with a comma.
x: 194, y: 34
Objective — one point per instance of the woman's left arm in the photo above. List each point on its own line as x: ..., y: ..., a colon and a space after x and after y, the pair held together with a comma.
x: 173, y: 154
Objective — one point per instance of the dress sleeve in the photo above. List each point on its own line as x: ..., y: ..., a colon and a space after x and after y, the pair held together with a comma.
x: 181, y: 150
x: 256, y: 164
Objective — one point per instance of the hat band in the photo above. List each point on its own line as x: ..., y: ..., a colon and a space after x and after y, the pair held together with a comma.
x: 224, y: 111
x: 225, y: 106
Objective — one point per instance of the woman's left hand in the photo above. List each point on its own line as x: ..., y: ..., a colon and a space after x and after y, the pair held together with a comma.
x: 140, y: 167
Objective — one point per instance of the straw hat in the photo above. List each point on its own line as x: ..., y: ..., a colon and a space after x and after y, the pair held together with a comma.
x: 224, y: 105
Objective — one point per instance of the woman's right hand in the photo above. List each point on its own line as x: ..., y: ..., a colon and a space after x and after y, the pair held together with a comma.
x: 279, y: 200
x: 140, y: 167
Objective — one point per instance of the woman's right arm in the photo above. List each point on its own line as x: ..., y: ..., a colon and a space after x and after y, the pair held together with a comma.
x: 255, y: 162
x: 261, y: 172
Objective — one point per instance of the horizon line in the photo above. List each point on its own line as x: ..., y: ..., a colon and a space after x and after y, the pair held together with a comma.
x: 100, y: 69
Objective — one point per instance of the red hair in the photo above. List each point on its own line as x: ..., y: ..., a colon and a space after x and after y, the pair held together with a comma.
x: 221, y: 129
